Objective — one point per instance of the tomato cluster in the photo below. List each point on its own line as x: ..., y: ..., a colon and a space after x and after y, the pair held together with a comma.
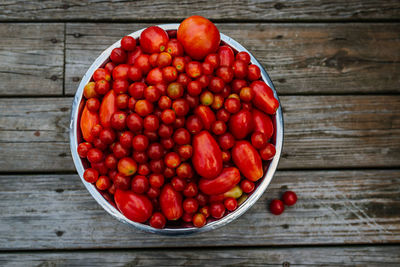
x: 177, y: 131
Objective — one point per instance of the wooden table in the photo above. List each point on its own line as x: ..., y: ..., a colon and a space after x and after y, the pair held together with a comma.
x: 336, y: 66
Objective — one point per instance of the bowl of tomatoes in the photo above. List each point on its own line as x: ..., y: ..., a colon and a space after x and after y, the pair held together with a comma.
x: 176, y: 128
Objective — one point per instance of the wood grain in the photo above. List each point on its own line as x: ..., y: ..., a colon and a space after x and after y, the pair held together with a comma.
x: 320, y: 132
x: 334, y: 207
x: 31, y: 59
x: 300, y: 58
x: 321, y: 256
x: 219, y: 10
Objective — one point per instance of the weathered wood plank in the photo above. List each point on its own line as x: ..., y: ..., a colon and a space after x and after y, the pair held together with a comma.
x: 302, y: 256
x: 221, y: 10
x: 300, y: 58
x: 320, y: 132
x: 31, y: 59
x: 334, y: 207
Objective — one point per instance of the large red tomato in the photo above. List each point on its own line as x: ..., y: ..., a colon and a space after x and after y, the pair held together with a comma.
x: 199, y: 37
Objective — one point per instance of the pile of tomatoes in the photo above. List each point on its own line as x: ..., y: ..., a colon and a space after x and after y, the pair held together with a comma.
x: 176, y: 126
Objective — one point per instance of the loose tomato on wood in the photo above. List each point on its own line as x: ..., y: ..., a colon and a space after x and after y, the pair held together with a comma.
x: 199, y: 37
x: 135, y: 207
x: 207, y: 156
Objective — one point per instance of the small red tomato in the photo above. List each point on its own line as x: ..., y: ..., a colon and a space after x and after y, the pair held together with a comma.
x: 103, y: 183
x: 102, y: 87
x: 111, y: 161
x: 206, y: 98
x: 144, y: 169
x: 153, y: 192
x: 223, y: 115
x: 190, y: 205
x: 218, y: 127
x: 183, y: 79
x: 244, y: 56
x: 154, y: 76
x: 120, y: 72
x: 153, y: 40
x: 199, y: 220
x: 194, y: 124
x: 83, y: 149
x: 127, y: 166
x: 232, y: 105
x: 133, y: 55
x: 96, y: 130
x: 153, y: 59
x: 208, y: 68
x: 110, y: 66
x: 164, y: 102
x: 175, y: 90
x: 240, y: 69
x: 225, y: 181
x: 156, y: 180
x: 268, y: 152
x: 120, y: 86
x: 155, y: 151
x: 185, y: 170
x: 194, y: 88
x: 206, y: 211
x: 246, y: 94
x: 126, y: 139
x: 218, y: 101
x: 254, y: 72
x: 289, y: 198
x: 151, y: 123
x: 174, y: 48
x: 194, y: 69
x: 165, y: 131
x: 119, y: 151
x: 135, y: 207
x: 140, y: 142
x: 216, y: 84
x: 204, y: 80
x: 179, y: 122
x: 136, y: 90
x: 172, y: 160
x: 143, y: 62
x: 91, y: 175
x: 247, y: 186
x: 118, y: 120
x: 88, y: 90
x: 182, y: 136
x: 118, y: 55
x: 178, y: 183
x: 179, y: 63
x: 185, y: 152
x: 226, y: 141
x: 276, y: 207
x: 181, y: 107
x: 158, y: 220
x: 164, y: 59
x: 121, y: 181
x: 135, y: 73
x: 190, y: 190
x: 169, y: 173
x: 168, y: 116
x: 94, y: 155
x: 226, y: 156
x: 213, y: 59
x: 134, y: 122
x: 230, y: 203
x: 225, y: 73
x: 169, y: 74
x: 101, y: 74
x: 140, y: 157
x: 122, y: 101
x: 217, y: 210
x: 199, y: 37
x: 238, y: 84
x: 144, y: 107
x: 258, y: 140
x: 128, y: 43
x: 192, y: 101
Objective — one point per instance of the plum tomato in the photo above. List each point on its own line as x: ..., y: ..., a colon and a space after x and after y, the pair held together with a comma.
x: 199, y: 37
x: 268, y: 152
x: 226, y: 56
x: 118, y: 55
x: 128, y: 43
x: 217, y: 210
x: 83, y: 149
x: 153, y: 40
x: 230, y: 203
x: 91, y: 175
x: 289, y: 198
x: 240, y: 69
x: 157, y: 220
x: 276, y: 207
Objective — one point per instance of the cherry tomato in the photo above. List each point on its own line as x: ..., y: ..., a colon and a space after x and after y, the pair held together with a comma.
x: 190, y: 190
x: 128, y: 43
x: 175, y: 90
x: 122, y: 101
x: 289, y: 198
x: 126, y: 139
x: 247, y: 186
x: 102, y: 87
x: 153, y: 40
x: 88, y: 90
x: 156, y: 180
x: 174, y: 48
x: 190, y: 205
x: 268, y: 152
x: 95, y: 155
x: 258, y: 140
x: 103, y: 183
x: 244, y: 56
x: 178, y: 183
x: 170, y: 74
x: 83, y: 149
x: 158, y: 220
x: 230, y: 203
x: 254, y: 72
x: 135, y: 73
x: 127, y: 166
x: 276, y: 207
x: 217, y: 210
x: 118, y: 55
x: 134, y: 122
x: 91, y: 175
x: 194, y: 69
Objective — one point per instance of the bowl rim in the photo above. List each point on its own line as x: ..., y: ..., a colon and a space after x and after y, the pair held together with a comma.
x: 250, y: 201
